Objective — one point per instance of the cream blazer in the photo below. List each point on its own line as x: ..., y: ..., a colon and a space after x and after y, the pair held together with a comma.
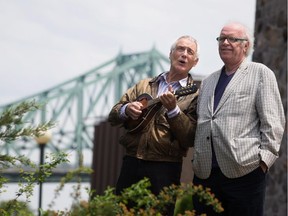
x: 246, y: 127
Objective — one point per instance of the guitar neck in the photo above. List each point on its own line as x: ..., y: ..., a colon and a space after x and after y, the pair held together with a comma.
x: 156, y: 100
x: 180, y: 92
x: 153, y: 101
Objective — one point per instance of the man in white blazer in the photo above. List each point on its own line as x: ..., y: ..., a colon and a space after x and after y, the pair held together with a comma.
x: 240, y: 127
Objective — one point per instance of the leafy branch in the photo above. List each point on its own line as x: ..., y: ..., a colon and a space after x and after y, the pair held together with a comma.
x: 12, y: 125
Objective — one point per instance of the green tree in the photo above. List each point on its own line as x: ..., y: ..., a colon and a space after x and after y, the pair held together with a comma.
x: 13, y: 127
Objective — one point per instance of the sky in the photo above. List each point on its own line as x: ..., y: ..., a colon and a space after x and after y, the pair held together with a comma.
x: 45, y: 43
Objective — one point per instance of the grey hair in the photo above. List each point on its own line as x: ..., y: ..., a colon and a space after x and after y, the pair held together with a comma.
x: 189, y: 38
x: 248, y: 33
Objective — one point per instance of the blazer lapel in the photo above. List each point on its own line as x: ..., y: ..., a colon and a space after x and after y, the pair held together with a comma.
x: 235, y: 81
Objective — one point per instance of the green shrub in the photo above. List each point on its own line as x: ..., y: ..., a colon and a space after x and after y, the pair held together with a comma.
x: 15, y: 208
x: 142, y: 202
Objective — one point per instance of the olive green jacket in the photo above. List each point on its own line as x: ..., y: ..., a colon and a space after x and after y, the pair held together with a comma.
x: 163, y: 139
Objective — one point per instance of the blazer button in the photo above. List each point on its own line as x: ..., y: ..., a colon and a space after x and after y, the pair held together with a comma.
x: 208, y: 138
x: 213, y: 117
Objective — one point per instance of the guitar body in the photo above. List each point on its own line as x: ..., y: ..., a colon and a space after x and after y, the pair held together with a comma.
x: 150, y: 108
x: 135, y: 126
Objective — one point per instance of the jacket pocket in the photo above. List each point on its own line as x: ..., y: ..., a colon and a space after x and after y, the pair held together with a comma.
x: 246, y: 150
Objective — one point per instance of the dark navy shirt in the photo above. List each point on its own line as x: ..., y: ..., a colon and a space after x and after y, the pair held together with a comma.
x: 223, y: 81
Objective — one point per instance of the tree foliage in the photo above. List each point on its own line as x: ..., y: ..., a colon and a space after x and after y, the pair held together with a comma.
x: 12, y: 125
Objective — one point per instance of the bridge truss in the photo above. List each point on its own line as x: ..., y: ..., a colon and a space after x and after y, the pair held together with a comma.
x: 81, y: 103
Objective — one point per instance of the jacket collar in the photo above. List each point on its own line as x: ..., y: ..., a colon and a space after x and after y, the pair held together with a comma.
x: 157, y: 78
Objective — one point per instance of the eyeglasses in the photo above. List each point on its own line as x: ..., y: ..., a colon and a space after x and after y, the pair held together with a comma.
x: 182, y: 49
x: 230, y: 39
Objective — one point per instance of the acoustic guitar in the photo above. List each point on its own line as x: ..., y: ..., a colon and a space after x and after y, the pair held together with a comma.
x: 150, y: 108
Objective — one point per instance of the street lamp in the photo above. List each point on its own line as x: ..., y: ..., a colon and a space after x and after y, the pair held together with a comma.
x: 42, y: 141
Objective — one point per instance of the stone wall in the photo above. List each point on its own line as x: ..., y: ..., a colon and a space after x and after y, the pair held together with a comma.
x: 271, y: 49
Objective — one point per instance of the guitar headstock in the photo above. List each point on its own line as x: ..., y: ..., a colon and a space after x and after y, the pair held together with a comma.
x: 190, y: 89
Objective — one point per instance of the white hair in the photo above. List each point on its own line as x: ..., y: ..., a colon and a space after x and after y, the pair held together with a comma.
x: 189, y: 38
x: 247, y: 33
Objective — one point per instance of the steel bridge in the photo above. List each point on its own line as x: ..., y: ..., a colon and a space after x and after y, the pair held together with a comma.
x: 79, y: 104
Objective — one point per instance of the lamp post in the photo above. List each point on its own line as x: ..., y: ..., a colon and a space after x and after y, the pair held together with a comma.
x: 42, y: 141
